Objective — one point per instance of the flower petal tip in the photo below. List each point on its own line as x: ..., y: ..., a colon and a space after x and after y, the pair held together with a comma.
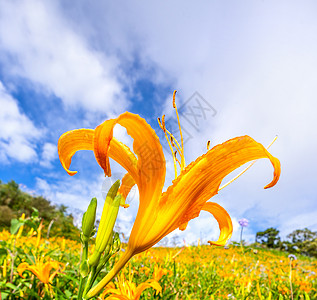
x: 212, y: 243
x: 71, y: 173
x: 277, y: 173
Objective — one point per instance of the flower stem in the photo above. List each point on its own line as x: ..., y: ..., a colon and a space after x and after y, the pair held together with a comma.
x: 241, y: 239
x: 81, y: 288
x: 241, y: 244
x: 82, y: 280
x: 90, y: 280
x: 290, y: 278
x: 115, y: 270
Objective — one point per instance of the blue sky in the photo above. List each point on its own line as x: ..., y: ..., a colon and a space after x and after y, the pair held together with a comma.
x: 253, y: 65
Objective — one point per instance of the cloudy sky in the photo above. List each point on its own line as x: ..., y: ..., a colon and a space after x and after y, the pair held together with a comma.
x: 239, y: 68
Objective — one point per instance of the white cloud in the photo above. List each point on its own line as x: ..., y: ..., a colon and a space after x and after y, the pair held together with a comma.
x: 258, y: 70
x: 254, y: 63
x: 42, y: 47
x: 299, y: 221
x: 74, y: 192
x: 49, y: 154
x: 18, y: 133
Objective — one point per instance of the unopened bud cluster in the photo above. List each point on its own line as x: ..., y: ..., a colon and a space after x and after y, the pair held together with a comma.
x: 107, y: 242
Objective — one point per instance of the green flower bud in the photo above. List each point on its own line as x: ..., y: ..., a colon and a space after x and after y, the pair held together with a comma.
x: 108, y: 219
x: 84, y: 269
x: 88, y: 220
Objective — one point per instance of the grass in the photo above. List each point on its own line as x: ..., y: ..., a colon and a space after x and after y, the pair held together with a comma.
x: 202, y: 272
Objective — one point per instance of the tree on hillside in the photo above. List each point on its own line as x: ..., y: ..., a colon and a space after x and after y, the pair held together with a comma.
x: 14, y: 202
x: 269, y: 238
x: 302, y: 235
x: 303, y: 241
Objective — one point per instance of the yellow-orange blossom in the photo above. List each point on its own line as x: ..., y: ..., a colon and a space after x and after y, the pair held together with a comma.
x: 160, y: 213
x: 41, y: 270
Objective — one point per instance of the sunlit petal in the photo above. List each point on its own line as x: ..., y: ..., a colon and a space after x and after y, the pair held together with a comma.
x: 22, y: 267
x: 126, y: 185
x: 149, y: 283
x: 224, y: 222
x: 201, y: 179
x: 223, y: 219
x: 150, y: 164
x: 71, y: 142
x: 83, y: 139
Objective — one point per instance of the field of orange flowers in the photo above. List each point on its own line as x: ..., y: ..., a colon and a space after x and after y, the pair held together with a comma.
x: 33, y: 267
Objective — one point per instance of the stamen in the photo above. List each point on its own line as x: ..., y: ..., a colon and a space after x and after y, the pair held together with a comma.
x: 177, y: 159
x: 180, y: 131
x: 159, y: 121
x: 162, y: 125
x: 177, y: 146
x: 163, y: 122
x: 208, y: 145
x: 172, y: 142
x: 246, y: 169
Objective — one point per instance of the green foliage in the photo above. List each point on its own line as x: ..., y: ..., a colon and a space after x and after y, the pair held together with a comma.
x: 300, y: 241
x: 14, y: 202
x: 15, y: 225
x: 269, y: 237
x: 3, y: 255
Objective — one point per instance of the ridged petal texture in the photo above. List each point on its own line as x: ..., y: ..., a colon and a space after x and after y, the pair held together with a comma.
x: 200, y: 181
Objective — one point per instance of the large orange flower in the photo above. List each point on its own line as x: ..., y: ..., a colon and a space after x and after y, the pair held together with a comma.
x: 161, y: 213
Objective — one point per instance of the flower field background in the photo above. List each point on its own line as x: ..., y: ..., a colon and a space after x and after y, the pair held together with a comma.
x: 192, y: 272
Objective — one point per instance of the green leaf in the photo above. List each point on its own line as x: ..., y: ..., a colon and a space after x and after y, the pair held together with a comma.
x: 11, y: 286
x: 31, y: 224
x: 4, y: 295
x: 68, y: 294
x: 35, y: 213
x: 15, y: 225
x: 3, y: 255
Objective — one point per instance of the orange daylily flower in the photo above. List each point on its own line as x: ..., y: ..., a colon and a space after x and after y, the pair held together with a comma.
x: 161, y: 213
x: 41, y: 270
x: 127, y: 290
x: 160, y: 272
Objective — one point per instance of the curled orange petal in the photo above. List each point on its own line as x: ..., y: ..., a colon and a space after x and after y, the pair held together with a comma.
x: 224, y: 222
x: 83, y: 139
x: 71, y: 142
x: 201, y: 179
x: 126, y: 185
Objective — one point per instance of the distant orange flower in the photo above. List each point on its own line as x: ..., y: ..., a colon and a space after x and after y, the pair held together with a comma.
x: 41, y: 270
x: 161, y: 213
x: 127, y: 290
x: 160, y: 272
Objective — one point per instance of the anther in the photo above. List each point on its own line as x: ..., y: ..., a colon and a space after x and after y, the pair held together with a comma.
x: 172, y: 142
x: 208, y: 145
x: 163, y: 123
x: 174, y: 104
x: 159, y: 121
